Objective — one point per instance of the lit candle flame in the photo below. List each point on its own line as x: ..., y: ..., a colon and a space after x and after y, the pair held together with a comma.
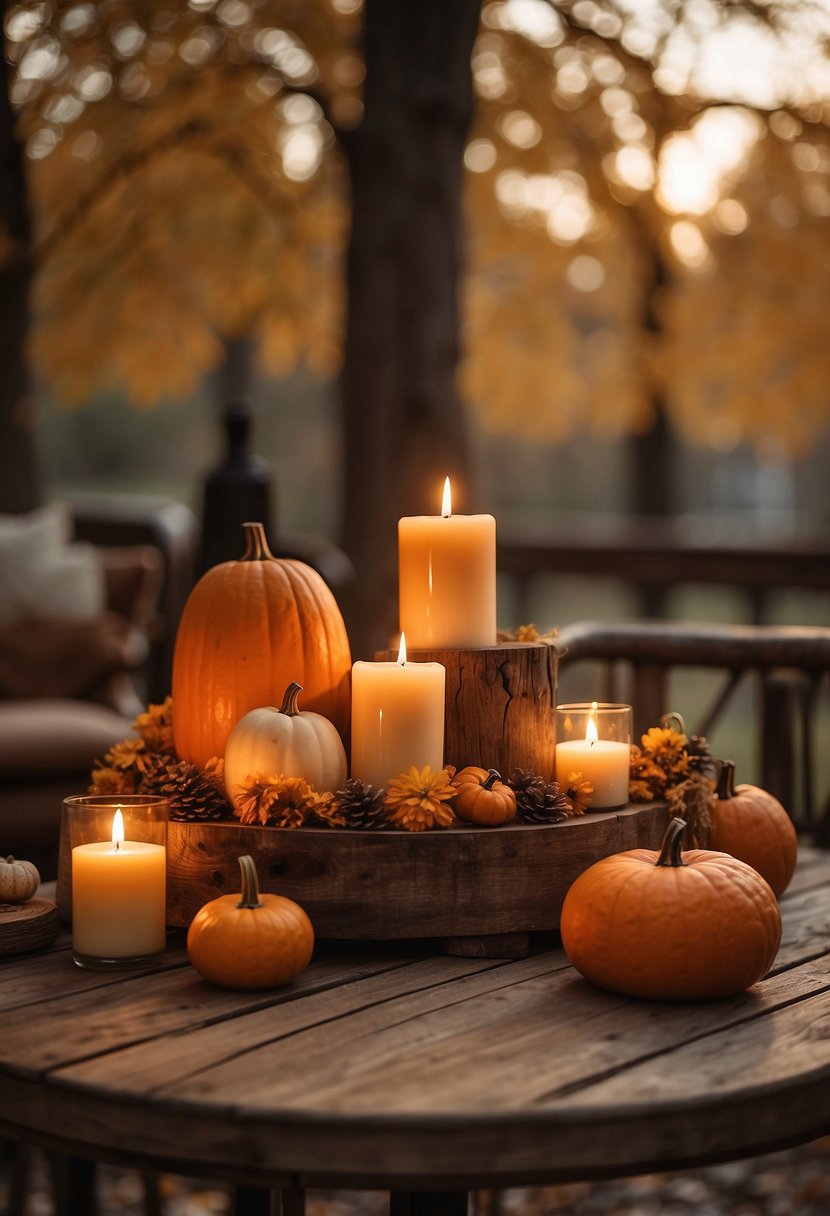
x: 402, y: 650
x: 591, y: 732
x: 118, y: 829
x: 446, y: 502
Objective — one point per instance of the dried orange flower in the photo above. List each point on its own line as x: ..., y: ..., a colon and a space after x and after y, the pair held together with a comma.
x: 129, y: 754
x: 155, y: 726
x: 283, y: 802
x: 417, y: 800
x: 111, y: 781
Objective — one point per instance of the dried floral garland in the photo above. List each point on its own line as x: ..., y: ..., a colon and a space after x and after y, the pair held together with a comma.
x: 415, y: 801
x: 670, y: 765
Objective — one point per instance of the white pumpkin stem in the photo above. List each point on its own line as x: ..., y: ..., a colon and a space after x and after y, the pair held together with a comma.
x: 250, y: 883
x: 256, y: 544
x: 289, y: 701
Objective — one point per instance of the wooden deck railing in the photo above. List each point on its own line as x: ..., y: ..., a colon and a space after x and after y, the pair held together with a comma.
x: 789, y: 665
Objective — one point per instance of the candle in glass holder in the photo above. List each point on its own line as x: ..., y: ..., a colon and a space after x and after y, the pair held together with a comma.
x: 595, y: 740
x: 447, y: 579
x: 118, y: 883
x: 397, y: 718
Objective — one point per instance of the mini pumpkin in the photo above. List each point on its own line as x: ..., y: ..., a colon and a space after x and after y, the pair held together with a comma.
x: 19, y: 880
x: 669, y: 925
x: 483, y: 797
x: 753, y: 826
x: 250, y: 940
x: 249, y: 627
x: 288, y: 741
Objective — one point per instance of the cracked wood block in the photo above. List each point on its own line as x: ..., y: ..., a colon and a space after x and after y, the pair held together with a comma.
x: 499, y: 705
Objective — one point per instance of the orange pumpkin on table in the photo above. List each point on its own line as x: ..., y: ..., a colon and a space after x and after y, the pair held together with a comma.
x: 250, y: 940
x: 248, y: 629
x: 671, y: 925
x: 753, y: 826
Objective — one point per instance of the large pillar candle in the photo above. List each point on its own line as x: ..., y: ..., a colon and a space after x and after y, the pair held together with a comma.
x: 397, y: 718
x: 118, y: 898
x: 447, y: 579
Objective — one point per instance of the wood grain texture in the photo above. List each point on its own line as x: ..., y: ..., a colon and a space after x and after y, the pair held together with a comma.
x: 28, y: 926
x: 363, y: 885
x: 396, y: 1066
x: 512, y: 726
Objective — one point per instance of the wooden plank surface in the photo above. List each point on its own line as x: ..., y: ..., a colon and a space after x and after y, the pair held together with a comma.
x: 404, y: 1067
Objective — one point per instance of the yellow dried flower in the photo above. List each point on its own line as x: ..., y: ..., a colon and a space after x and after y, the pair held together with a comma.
x: 155, y: 726
x: 111, y: 781
x: 579, y: 792
x: 417, y: 800
x: 667, y: 747
x: 647, y: 780
x: 129, y: 754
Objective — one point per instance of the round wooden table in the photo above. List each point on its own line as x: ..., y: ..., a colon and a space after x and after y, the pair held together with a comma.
x: 406, y: 1069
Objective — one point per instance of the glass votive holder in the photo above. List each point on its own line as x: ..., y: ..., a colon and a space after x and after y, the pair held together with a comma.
x: 594, y: 738
x: 119, y: 878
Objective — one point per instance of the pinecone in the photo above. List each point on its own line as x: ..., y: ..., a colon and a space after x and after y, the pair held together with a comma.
x: 700, y: 755
x: 194, y: 794
x: 537, y: 800
x: 362, y: 806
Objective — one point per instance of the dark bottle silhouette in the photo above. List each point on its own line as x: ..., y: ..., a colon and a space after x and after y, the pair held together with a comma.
x: 237, y: 491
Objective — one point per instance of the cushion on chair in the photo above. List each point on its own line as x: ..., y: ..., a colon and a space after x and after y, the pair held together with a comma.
x: 43, y: 574
x: 55, y: 736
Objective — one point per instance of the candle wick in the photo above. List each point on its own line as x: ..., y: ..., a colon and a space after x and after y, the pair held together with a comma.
x: 117, y: 845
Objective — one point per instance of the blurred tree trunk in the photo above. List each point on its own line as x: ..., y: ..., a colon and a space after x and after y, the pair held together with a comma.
x: 402, y: 417
x: 20, y: 482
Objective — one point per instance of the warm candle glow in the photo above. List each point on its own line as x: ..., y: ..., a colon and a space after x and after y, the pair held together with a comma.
x: 402, y: 650
x: 446, y: 501
x: 591, y: 732
x: 118, y: 829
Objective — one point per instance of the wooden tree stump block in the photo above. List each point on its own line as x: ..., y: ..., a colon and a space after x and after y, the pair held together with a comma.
x: 499, y: 706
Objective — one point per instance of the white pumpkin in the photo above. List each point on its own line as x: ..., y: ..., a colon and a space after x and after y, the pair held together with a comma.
x: 19, y: 880
x: 290, y: 741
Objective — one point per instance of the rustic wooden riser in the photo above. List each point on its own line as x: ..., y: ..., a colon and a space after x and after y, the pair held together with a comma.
x: 457, y: 882
x: 513, y: 725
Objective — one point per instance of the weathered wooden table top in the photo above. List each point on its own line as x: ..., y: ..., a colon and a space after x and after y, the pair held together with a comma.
x: 406, y: 1068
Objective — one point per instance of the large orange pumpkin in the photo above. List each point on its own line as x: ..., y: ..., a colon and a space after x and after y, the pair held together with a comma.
x: 671, y: 926
x: 248, y: 629
x: 752, y: 825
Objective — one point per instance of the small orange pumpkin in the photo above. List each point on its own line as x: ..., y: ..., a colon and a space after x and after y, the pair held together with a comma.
x: 248, y: 629
x: 250, y: 940
x: 753, y: 826
x: 671, y: 926
x: 483, y: 797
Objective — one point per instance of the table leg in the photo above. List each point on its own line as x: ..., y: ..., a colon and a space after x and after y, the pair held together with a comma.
x: 428, y: 1203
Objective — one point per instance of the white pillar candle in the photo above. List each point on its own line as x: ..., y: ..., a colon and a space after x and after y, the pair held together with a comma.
x: 397, y: 718
x: 447, y: 579
x: 118, y: 897
x: 603, y: 762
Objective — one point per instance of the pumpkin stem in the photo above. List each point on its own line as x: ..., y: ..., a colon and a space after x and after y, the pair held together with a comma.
x: 289, y: 701
x: 673, y: 721
x: 726, y: 781
x: 256, y: 544
x: 670, y: 854
x: 250, y: 884
x: 492, y: 776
